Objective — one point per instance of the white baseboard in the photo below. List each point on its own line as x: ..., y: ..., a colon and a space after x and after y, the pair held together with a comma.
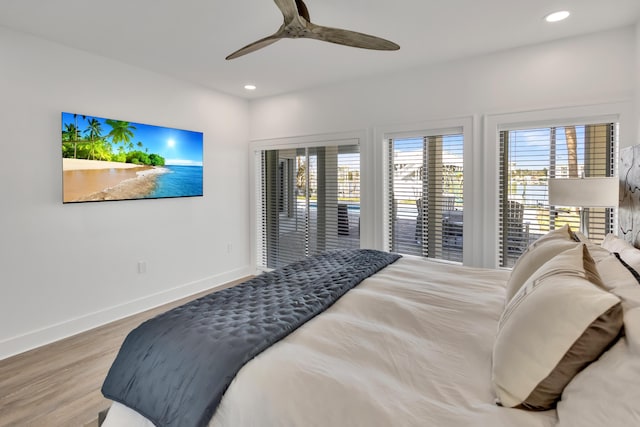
x: 44, y: 336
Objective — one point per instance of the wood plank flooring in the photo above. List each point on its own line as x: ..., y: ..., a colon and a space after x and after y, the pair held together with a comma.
x: 59, y: 384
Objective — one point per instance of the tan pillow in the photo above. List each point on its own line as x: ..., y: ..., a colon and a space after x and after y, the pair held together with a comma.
x: 597, y: 252
x: 557, y: 323
x: 580, y: 237
x: 539, y: 252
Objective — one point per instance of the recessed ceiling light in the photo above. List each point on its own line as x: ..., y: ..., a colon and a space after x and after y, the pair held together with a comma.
x: 557, y: 16
x: 250, y: 87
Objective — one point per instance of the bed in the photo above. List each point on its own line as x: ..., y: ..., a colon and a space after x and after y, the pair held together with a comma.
x: 426, y: 343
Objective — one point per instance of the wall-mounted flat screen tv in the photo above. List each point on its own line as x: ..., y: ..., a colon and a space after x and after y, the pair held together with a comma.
x: 107, y: 159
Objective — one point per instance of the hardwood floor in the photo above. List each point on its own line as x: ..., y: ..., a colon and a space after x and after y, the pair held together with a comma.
x: 59, y: 384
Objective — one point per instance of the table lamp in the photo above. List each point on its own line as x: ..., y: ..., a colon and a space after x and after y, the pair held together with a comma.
x: 601, y: 192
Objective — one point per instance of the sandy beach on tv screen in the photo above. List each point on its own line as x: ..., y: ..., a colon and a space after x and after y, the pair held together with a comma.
x: 94, y: 180
x: 81, y: 164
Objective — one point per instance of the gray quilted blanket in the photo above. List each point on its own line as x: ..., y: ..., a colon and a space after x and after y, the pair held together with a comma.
x: 174, y: 368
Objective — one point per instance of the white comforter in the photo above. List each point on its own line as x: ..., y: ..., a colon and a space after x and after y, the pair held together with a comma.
x: 410, y: 346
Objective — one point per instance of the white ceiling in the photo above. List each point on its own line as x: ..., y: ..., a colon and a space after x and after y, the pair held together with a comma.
x: 189, y: 39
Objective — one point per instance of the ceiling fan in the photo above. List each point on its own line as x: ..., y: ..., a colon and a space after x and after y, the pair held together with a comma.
x: 297, y: 24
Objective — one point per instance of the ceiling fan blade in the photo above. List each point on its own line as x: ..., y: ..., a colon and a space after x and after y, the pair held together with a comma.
x: 288, y: 8
x: 302, y: 10
x: 349, y: 38
x: 297, y: 24
x: 256, y: 45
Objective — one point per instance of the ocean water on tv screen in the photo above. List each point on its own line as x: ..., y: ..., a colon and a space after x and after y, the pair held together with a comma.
x: 180, y: 181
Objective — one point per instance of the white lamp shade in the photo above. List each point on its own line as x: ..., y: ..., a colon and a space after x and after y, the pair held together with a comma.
x: 584, y: 192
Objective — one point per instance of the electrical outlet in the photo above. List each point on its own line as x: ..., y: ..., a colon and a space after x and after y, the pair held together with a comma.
x: 142, y: 267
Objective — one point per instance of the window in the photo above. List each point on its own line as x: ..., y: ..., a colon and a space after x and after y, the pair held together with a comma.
x: 309, y: 202
x: 530, y: 156
x: 426, y: 195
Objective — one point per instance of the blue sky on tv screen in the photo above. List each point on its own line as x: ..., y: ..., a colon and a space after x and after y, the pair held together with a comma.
x: 177, y: 146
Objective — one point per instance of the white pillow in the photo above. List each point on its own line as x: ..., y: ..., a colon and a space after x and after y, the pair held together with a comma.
x: 557, y: 323
x: 539, y: 252
x: 627, y: 251
x: 613, y: 243
x: 616, y: 273
x: 607, y: 392
x: 623, y: 281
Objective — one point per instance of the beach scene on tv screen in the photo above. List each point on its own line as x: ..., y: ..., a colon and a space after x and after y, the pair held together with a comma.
x: 106, y: 159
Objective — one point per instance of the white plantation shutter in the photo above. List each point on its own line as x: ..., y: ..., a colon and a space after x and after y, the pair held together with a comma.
x: 530, y: 156
x: 309, y: 202
x: 426, y: 203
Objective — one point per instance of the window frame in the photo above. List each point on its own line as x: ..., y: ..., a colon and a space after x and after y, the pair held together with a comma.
x: 596, y: 145
x: 493, y: 124
x: 256, y: 147
x: 460, y: 125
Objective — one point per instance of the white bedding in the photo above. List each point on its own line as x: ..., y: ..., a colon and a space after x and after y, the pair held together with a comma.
x: 410, y: 346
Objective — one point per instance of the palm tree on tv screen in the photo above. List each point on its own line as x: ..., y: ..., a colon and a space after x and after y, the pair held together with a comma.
x: 94, y: 130
x: 70, y: 134
x: 76, y: 138
x: 121, y: 131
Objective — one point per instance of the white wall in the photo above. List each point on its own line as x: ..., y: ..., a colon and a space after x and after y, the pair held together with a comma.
x: 67, y: 268
x: 637, y: 74
x: 594, y: 69
x: 585, y: 70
